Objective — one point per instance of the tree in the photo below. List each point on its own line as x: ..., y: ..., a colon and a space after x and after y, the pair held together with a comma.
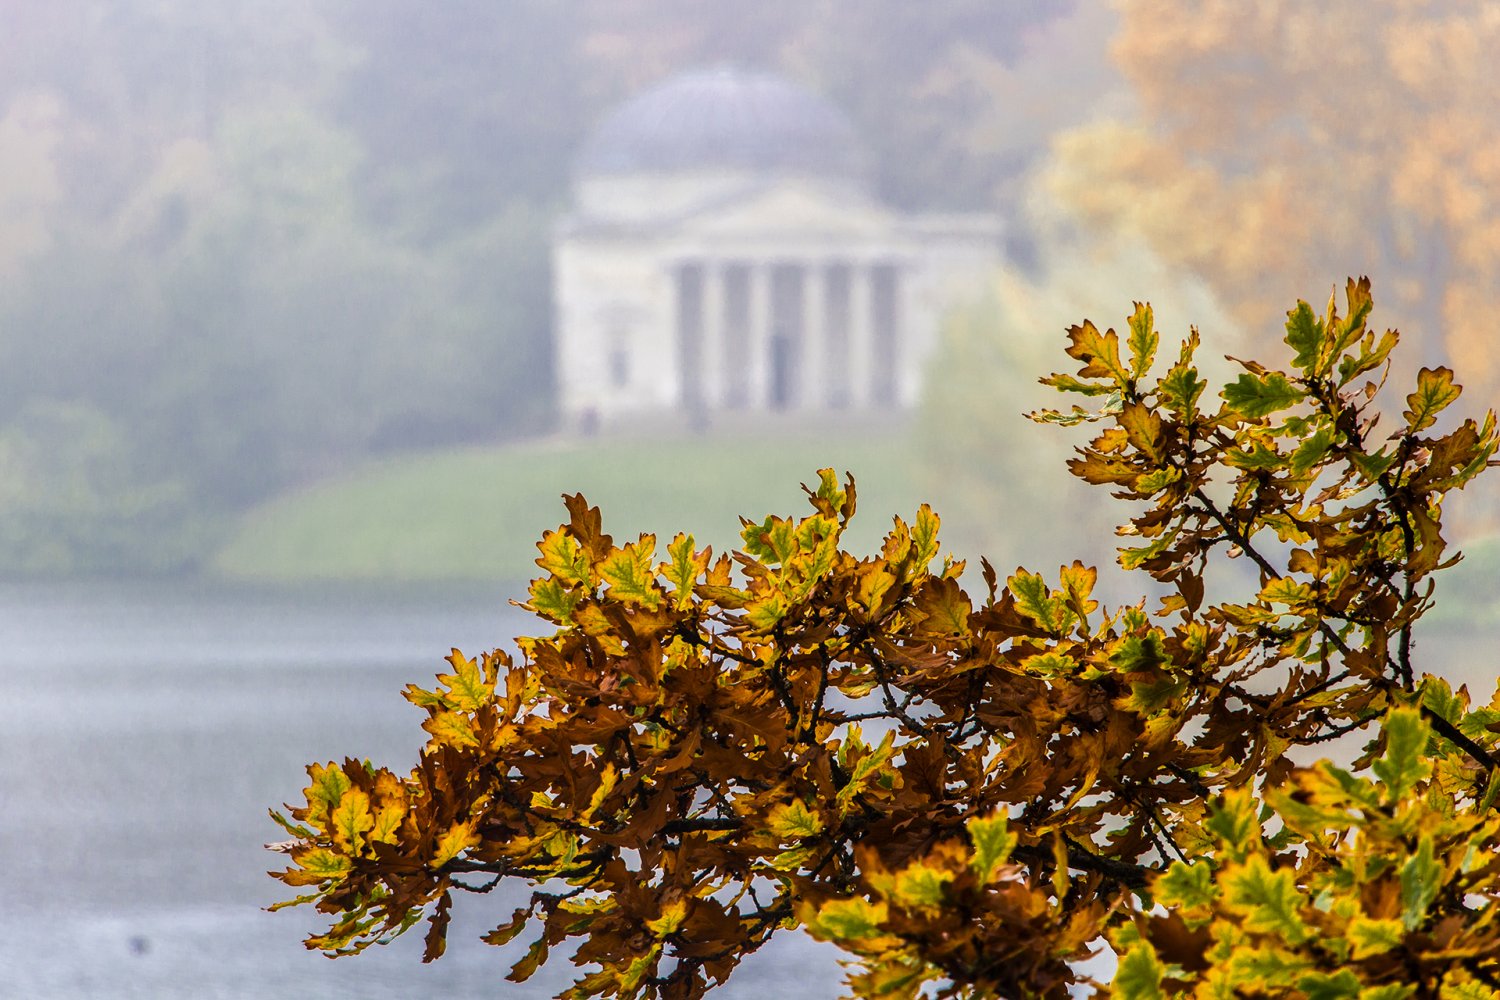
x: 1351, y: 136
x: 972, y: 796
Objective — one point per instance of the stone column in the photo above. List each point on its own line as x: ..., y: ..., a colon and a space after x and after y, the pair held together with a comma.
x: 689, y: 274
x: 758, y: 344
x: 835, y: 328
x: 885, y: 325
x: 813, y: 353
x: 737, y: 301
x: 712, y: 357
x: 861, y: 335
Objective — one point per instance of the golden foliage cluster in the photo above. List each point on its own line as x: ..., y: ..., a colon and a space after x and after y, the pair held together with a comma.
x: 970, y: 794
x: 1346, y: 134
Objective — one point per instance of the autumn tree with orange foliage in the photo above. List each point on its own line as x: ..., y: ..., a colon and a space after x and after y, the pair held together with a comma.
x: 970, y: 793
x: 1279, y: 140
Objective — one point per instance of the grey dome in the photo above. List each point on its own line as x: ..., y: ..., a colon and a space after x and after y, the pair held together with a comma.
x: 725, y: 118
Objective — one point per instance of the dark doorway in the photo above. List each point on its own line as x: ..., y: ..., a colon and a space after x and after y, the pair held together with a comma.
x: 786, y: 336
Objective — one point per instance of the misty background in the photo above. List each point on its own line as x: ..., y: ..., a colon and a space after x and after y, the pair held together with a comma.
x: 249, y: 248
x: 276, y: 330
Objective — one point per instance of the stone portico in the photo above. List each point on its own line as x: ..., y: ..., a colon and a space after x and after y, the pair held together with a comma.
x: 725, y: 255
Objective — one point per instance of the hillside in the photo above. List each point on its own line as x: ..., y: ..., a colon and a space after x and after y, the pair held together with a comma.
x: 477, y: 513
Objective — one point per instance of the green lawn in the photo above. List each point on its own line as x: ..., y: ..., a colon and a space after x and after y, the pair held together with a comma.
x: 477, y: 513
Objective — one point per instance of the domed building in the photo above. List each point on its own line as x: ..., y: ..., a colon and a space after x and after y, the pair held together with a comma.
x: 726, y: 253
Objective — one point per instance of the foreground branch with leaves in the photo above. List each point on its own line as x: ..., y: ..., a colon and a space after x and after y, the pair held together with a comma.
x: 971, y: 796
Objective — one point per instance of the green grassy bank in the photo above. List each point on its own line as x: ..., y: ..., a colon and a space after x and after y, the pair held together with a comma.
x: 477, y: 513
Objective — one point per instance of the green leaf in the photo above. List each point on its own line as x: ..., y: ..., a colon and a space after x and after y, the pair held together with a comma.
x: 1262, y: 455
x: 793, y: 858
x: 387, y: 828
x: 351, y: 821
x: 1099, y: 352
x: 1370, y: 357
x: 1438, y: 696
x: 459, y: 838
x: 1259, y: 968
x: 637, y: 969
x: 1139, y: 974
x: 1403, y: 764
x: 467, y: 689
x: 1304, y: 333
x: 1140, y: 653
x: 682, y: 568
x: 1050, y: 664
x: 672, y: 916
x: 1435, y: 390
x: 319, y: 864
x: 1466, y: 989
x: 848, y: 919
x: 1157, y: 480
x: 1285, y: 590
x: 530, y: 962
x: 1421, y: 881
x: 295, y: 829
x: 1372, y: 937
x: 993, y: 843
x: 781, y: 538
x: 1372, y: 467
x: 766, y: 612
x: 311, y: 897
x: 919, y: 885
x: 326, y: 791
x: 630, y: 574
x: 754, y: 537
x: 828, y: 489
x: 1266, y: 899
x: 1077, y: 415
x: 1035, y: 601
x: 1068, y: 383
x: 1256, y: 397
x: 794, y: 820
x: 873, y: 761
x: 563, y: 557
x: 1402, y: 991
x: 1181, y: 389
x: 924, y: 536
x: 553, y: 601
x: 1142, y: 341
x: 1342, y: 985
x: 1150, y: 697
x: 1235, y: 822
x: 1133, y: 556
x: 1312, y: 449
x: 1186, y: 885
x: 453, y: 729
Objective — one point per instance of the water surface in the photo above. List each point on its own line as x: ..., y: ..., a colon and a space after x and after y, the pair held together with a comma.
x: 145, y: 729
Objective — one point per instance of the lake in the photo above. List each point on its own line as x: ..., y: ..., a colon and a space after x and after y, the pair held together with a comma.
x: 144, y: 731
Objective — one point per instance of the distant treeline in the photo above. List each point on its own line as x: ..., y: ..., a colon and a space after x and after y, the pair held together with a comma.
x: 246, y: 244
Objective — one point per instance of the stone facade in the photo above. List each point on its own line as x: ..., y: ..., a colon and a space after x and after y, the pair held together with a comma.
x: 746, y: 267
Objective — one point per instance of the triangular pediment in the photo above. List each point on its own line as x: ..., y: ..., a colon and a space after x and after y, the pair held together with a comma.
x: 793, y: 208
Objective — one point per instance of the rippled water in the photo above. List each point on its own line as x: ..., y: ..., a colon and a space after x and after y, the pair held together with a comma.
x: 144, y: 730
